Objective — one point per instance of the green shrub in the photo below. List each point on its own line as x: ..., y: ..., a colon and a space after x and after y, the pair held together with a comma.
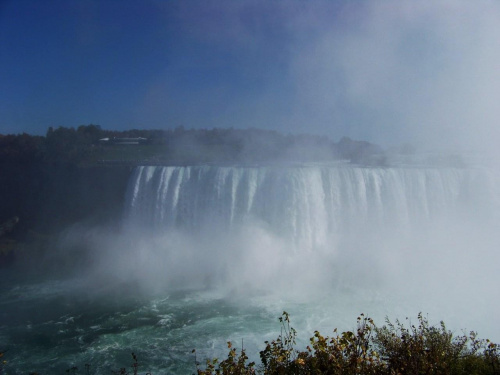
x: 392, y: 349
x: 426, y: 349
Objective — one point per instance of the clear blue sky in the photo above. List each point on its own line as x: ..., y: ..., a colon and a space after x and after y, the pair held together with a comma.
x: 387, y: 71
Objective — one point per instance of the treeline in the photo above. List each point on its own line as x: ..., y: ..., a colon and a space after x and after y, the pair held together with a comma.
x: 90, y: 144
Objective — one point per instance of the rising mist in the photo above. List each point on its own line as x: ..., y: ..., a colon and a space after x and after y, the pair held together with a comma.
x: 411, y: 238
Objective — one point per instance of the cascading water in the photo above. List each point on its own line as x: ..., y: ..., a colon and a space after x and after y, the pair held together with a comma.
x: 209, y: 254
x: 309, y: 205
x: 303, y: 230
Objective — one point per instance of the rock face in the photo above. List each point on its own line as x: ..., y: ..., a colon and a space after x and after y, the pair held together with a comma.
x: 7, y: 226
x: 46, y: 198
x: 7, y: 245
x: 37, y: 202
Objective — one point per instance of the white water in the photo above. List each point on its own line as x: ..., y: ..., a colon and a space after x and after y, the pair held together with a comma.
x: 209, y: 254
x: 413, y: 239
x: 308, y: 205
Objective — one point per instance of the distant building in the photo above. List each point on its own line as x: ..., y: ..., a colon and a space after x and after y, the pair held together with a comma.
x: 123, y: 141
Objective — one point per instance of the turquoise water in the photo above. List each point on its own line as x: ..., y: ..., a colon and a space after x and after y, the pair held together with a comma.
x: 53, y: 325
x: 49, y: 326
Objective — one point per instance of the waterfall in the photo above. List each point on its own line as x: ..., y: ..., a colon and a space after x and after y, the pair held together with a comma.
x: 307, y: 204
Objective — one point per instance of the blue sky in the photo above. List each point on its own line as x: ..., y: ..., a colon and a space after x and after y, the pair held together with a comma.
x: 387, y: 71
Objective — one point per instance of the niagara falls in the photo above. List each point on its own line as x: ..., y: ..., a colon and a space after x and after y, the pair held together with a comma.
x: 249, y: 187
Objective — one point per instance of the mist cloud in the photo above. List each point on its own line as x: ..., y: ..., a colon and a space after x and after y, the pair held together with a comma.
x: 388, y: 71
x: 408, y: 71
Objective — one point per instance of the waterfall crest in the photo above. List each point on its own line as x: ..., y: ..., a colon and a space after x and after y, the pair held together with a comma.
x: 308, y: 204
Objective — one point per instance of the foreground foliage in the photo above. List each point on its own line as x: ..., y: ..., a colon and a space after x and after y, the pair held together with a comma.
x: 391, y: 349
